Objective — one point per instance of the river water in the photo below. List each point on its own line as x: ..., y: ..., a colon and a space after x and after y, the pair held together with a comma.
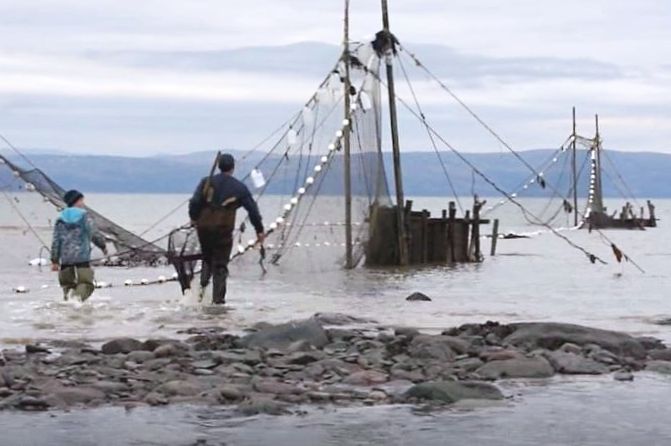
x: 540, y: 278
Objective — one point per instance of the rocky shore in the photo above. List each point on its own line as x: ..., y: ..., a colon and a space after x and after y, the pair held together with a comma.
x: 329, y: 359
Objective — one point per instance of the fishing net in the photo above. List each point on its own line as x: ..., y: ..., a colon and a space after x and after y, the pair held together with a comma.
x: 299, y: 181
x: 128, y: 248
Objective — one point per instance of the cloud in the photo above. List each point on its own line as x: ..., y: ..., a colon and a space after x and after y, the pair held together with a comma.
x: 161, y: 75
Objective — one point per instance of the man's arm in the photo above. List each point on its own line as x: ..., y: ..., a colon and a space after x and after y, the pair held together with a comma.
x: 247, y: 202
x: 96, y: 237
x: 196, y: 202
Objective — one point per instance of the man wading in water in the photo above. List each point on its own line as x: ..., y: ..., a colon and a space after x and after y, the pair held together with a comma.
x: 71, y: 247
x: 212, y: 210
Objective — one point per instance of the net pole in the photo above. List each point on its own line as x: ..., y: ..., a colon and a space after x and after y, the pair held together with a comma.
x: 398, y: 180
x: 347, y: 159
x: 575, y: 173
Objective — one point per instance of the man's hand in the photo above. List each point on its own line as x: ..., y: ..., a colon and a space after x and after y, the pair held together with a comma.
x: 105, y: 252
x: 260, y: 237
x: 55, y: 267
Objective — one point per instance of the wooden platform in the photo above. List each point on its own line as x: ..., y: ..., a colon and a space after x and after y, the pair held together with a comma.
x: 430, y: 240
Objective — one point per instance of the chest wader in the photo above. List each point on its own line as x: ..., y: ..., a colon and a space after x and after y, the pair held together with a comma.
x: 215, y: 234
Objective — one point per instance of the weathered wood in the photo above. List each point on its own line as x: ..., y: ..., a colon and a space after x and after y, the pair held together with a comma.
x: 425, y: 236
x: 495, y: 237
x: 450, y: 233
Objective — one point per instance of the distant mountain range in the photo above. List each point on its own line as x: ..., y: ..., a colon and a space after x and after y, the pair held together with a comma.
x: 646, y: 174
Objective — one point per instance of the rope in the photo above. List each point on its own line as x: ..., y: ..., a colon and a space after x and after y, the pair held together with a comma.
x: 433, y: 142
x: 591, y: 256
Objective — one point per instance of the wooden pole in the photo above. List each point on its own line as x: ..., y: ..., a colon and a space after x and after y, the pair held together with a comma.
x: 495, y: 237
x: 575, y: 175
x: 450, y: 232
x: 398, y: 180
x: 347, y: 158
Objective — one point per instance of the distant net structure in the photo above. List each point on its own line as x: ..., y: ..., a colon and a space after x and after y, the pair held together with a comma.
x: 127, y: 248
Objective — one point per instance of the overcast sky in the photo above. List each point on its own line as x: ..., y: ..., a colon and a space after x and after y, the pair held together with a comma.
x: 143, y: 77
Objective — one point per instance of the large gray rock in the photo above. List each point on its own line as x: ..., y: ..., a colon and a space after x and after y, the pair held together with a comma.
x: 659, y: 367
x: 281, y: 336
x: 432, y: 347
x: 661, y: 355
x: 552, y: 335
x: 453, y: 391
x: 572, y: 364
x: 536, y: 367
x: 122, y: 345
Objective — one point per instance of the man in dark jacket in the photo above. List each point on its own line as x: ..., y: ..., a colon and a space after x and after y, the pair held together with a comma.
x: 74, y: 232
x: 212, y: 210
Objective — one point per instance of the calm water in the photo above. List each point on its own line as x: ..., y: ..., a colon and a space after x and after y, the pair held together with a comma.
x: 531, y: 279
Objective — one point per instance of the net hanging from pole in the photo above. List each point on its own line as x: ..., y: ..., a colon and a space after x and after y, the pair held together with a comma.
x: 299, y: 182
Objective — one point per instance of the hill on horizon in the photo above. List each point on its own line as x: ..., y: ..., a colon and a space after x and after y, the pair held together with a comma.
x: 645, y: 173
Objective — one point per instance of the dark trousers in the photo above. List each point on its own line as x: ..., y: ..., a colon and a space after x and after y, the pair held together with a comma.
x: 216, y: 247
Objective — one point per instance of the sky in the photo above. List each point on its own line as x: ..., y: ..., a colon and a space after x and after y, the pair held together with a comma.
x: 146, y: 77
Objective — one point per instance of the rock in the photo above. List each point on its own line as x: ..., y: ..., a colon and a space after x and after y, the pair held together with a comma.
x: 78, y: 395
x: 5, y: 392
x: 156, y: 364
x: 179, y: 388
x: 661, y: 355
x: 468, y: 364
x: 122, y: 345
x: 623, y: 375
x: 266, y: 406
x: 110, y: 387
x: 32, y: 403
x: 304, y: 358
x: 432, y: 347
x: 275, y: 387
x: 414, y: 376
x: 650, y: 343
x: 140, y: 356
x: 340, y: 319
x: 666, y: 321
x: 552, y: 335
x: 571, y: 348
x: 155, y: 399
x: 166, y: 351
x: 572, y: 364
x: 366, y: 378
x: 281, y: 336
x: 452, y: 391
x: 408, y: 332
x: 536, y: 367
x: 499, y: 354
x: 659, y: 367
x: 30, y: 348
x: 230, y: 393
x: 205, y: 364
x: 418, y: 297
x: 319, y: 397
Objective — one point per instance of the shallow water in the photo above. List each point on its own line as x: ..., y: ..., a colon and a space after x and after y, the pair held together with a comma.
x: 530, y: 279
x: 585, y: 412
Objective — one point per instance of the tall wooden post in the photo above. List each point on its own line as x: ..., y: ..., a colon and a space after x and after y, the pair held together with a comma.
x: 398, y: 180
x: 575, y: 174
x: 347, y: 158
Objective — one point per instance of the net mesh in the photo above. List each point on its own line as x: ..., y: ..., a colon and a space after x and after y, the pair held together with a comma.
x: 299, y: 182
x: 128, y: 248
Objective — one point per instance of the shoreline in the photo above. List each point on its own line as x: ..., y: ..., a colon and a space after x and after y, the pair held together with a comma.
x: 329, y: 359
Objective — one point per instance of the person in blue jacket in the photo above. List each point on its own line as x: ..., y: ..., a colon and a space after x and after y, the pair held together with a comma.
x: 74, y: 231
x: 212, y: 211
